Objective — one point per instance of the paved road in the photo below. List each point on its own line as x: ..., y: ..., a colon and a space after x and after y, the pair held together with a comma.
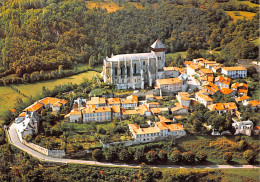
x: 15, y: 141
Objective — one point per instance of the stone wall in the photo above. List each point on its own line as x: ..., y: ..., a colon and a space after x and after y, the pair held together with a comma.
x: 56, y: 153
x: 42, y: 150
x: 36, y: 147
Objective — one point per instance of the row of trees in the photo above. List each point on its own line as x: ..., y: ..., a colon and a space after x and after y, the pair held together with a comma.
x: 152, y: 156
x: 161, y: 156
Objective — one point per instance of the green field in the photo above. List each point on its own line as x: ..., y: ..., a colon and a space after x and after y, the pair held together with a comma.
x: 174, y: 55
x: 8, y: 96
x: 32, y: 89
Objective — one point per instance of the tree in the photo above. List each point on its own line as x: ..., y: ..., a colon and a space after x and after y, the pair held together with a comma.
x: 227, y: 156
x: 162, y: 155
x: 109, y: 154
x: 97, y: 154
x: 151, y: 156
x: 123, y: 155
x: 28, y: 138
x: 175, y: 156
x: 92, y: 61
x: 201, y: 156
x: 60, y: 69
x: 249, y: 156
x: 242, y: 145
x: 138, y: 155
x: 188, y: 157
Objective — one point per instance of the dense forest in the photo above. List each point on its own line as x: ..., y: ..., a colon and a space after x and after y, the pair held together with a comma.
x: 40, y: 35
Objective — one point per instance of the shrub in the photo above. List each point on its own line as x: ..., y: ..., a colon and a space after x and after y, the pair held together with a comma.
x: 175, y: 156
x: 242, y: 145
x: 249, y: 156
x: 201, y: 156
x: 188, y: 157
x: 227, y: 156
x: 151, y: 156
x: 123, y: 155
x: 162, y: 155
x: 101, y: 130
x: 28, y: 138
x: 97, y: 154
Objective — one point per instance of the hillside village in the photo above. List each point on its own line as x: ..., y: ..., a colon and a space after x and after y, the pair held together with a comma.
x: 199, y: 82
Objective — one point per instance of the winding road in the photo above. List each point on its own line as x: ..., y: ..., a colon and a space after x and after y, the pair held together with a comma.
x: 14, y: 140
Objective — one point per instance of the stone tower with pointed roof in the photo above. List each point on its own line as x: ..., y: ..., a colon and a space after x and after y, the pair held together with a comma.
x: 136, y: 71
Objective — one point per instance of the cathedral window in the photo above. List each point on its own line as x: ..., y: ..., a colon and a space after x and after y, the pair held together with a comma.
x: 116, y: 71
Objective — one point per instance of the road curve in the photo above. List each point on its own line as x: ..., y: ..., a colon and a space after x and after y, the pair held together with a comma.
x: 14, y: 140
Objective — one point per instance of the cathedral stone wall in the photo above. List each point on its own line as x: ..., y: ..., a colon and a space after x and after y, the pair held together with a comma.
x: 136, y: 71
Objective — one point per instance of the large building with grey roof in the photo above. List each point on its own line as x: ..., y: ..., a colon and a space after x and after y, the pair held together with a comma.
x: 136, y: 71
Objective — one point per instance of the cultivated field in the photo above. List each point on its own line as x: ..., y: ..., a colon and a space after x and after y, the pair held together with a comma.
x: 109, y: 5
x: 240, y: 15
x: 8, y: 96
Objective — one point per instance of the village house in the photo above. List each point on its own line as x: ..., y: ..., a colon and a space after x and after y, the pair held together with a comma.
x: 114, y: 102
x: 150, y: 97
x: 160, y: 110
x: 35, y: 107
x: 205, y: 71
x: 210, y: 88
x: 54, y: 103
x: 235, y: 72
x: 130, y: 102
x: 256, y: 130
x: 75, y: 115
x: 199, y: 60
x: 179, y: 109
x: 98, y: 114
x: 184, y: 99
x: 227, y: 91
x: 172, y: 85
x: 161, y: 129
x: 205, y: 78
x: 142, y: 110
x: 171, y: 72
x: 243, y: 99
x: 223, y: 108
x: 204, y: 99
x: 222, y: 82
x: 153, y: 105
x: 97, y: 101
x: 116, y: 111
x: 79, y: 102
x: 243, y: 127
x: 193, y: 69
x: 254, y: 104
x: 241, y: 88
x: 28, y: 126
x: 210, y: 64
x: 216, y: 69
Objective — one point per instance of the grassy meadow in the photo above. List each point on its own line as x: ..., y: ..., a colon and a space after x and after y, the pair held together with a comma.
x: 32, y: 89
x: 240, y: 15
x: 8, y: 96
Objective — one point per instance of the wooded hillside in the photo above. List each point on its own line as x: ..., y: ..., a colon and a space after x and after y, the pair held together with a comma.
x: 40, y: 35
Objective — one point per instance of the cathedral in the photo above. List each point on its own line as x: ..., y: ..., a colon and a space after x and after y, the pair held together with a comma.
x: 136, y: 71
